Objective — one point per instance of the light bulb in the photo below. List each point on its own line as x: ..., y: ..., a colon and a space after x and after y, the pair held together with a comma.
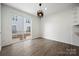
x: 45, y: 8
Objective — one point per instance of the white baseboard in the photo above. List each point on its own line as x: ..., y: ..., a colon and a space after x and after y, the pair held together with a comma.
x: 62, y: 42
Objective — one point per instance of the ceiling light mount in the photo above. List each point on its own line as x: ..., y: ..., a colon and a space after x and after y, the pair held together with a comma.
x: 40, y: 4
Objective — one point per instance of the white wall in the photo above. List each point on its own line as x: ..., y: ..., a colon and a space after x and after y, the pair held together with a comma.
x: 58, y: 27
x: 75, y: 38
x: 0, y: 27
x: 35, y: 27
x: 7, y: 13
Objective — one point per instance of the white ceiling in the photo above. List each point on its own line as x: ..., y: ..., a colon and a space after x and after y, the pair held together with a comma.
x: 48, y: 8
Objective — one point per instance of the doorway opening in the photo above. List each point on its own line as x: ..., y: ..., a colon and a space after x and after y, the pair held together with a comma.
x: 21, y: 28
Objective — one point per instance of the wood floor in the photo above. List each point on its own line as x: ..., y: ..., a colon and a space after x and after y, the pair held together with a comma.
x: 40, y: 47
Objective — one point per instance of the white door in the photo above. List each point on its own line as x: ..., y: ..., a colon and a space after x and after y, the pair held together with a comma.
x: 19, y: 24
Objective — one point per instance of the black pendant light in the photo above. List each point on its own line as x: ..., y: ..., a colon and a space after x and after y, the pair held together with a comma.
x: 40, y: 12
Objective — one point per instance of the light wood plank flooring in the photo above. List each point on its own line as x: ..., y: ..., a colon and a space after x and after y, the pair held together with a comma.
x: 40, y: 47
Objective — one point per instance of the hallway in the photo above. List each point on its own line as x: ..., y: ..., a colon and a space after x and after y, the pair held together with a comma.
x: 39, y: 47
